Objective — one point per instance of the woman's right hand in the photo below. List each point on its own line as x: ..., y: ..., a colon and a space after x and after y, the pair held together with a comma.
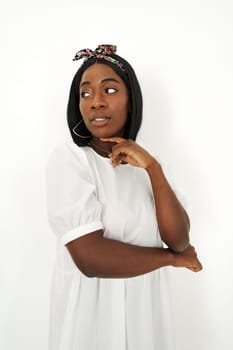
x: 188, y: 258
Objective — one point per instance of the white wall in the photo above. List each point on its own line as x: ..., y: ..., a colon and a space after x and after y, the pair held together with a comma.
x: 182, y: 52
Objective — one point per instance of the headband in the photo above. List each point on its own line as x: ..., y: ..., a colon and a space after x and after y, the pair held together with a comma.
x: 101, y: 52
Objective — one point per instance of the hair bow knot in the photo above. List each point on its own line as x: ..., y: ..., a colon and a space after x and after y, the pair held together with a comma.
x: 101, y: 52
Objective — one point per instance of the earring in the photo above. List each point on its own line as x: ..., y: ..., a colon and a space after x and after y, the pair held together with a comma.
x: 75, y: 132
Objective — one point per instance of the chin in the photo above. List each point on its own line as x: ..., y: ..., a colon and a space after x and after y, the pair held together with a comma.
x: 106, y: 133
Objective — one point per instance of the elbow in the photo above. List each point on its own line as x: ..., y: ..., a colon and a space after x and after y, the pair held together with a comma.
x: 90, y: 273
x: 182, y: 239
x: 87, y: 268
x: 86, y: 254
x: 179, y: 247
x: 178, y: 242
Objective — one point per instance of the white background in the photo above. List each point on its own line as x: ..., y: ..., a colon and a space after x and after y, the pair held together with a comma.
x: 182, y: 52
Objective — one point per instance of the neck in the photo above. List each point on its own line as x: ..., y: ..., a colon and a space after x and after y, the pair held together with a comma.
x: 102, y: 148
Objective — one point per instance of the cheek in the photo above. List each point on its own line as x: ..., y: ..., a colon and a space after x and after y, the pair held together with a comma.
x: 82, y: 108
x: 125, y: 107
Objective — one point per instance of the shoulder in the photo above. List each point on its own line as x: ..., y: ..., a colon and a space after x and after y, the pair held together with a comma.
x: 67, y: 150
x: 67, y: 156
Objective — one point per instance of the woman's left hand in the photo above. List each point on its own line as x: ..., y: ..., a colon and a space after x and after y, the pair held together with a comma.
x: 130, y: 152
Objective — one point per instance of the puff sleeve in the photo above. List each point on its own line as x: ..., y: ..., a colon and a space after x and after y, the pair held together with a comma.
x: 72, y: 207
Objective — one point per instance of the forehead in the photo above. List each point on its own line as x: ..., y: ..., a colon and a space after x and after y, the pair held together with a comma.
x: 99, y: 71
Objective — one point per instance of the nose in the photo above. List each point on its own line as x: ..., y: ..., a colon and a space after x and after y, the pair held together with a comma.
x: 98, y: 102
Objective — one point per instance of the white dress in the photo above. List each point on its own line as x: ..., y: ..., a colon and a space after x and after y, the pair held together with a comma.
x: 84, y: 194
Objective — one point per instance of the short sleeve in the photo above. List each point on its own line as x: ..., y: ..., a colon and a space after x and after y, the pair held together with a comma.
x: 72, y: 207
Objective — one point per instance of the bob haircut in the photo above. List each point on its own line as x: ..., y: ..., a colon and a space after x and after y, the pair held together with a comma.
x: 135, y: 98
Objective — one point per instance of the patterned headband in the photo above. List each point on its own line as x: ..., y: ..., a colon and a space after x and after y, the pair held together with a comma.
x: 101, y: 52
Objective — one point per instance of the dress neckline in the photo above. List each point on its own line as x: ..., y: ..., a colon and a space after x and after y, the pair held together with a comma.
x: 97, y: 154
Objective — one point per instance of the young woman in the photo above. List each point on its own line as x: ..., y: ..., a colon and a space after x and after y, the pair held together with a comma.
x: 111, y: 207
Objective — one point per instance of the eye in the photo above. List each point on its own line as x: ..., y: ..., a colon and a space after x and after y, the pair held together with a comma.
x: 110, y: 90
x: 84, y: 94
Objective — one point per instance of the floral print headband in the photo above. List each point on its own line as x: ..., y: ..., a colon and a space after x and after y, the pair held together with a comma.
x: 101, y: 52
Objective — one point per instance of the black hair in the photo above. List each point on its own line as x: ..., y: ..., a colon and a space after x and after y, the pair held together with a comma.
x: 135, y: 97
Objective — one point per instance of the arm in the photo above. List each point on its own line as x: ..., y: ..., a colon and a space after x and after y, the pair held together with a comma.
x: 97, y: 256
x: 172, y: 219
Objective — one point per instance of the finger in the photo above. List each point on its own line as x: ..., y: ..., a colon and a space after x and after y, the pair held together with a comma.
x: 124, y: 148
x: 116, y: 161
x: 120, y: 159
x: 195, y: 268
x: 112, y: 139
x: 199, y: 265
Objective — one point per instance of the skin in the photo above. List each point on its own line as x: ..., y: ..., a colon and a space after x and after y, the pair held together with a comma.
x: 103, y: 93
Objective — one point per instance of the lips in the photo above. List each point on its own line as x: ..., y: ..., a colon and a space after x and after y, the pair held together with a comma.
x: 99, y: 121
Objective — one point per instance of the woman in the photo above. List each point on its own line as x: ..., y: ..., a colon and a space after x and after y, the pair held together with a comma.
x: 111, y: 207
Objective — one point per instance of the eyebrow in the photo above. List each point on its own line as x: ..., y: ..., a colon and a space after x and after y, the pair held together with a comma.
x: 102, y: 81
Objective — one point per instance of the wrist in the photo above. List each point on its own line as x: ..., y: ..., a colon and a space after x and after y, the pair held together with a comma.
x: 156, y: 175
x: 153, y: 165
x: 171, y: 257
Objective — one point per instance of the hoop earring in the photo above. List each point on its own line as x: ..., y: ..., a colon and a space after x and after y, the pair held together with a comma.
x: 75, y: 132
